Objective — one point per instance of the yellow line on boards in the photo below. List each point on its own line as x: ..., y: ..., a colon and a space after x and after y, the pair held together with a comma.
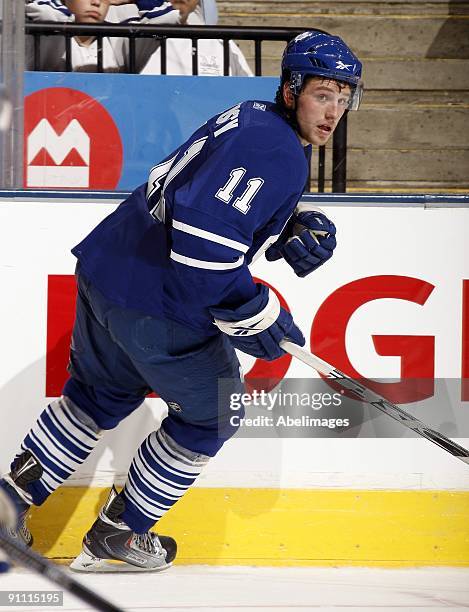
x: 291, y: 527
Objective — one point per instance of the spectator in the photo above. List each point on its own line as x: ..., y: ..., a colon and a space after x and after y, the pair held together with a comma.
x: 210, y: 52
x: 84, y: 49
x: 121, y: 11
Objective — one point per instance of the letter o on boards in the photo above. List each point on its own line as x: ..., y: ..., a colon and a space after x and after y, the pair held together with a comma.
x: 417, y: 353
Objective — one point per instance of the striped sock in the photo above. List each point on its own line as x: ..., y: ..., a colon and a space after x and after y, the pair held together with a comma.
x: 61, y: 440
x: 160, y: 473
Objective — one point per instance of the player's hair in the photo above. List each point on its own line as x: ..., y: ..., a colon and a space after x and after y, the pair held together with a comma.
x: 287, y: 113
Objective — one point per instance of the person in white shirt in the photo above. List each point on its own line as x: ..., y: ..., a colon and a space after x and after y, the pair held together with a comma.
x: 210, y: 51
x: 84, y: 49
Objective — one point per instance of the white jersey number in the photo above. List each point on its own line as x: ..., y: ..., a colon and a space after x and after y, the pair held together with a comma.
x: 243, y: 202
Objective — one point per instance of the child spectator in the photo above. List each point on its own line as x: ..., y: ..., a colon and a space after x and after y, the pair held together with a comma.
x: 84, y: 49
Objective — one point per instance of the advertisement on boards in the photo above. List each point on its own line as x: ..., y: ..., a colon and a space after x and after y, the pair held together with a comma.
x: 391, y: 309
x: 105, y: 131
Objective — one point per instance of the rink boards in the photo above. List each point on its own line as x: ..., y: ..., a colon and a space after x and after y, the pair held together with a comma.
x: 398, y: 285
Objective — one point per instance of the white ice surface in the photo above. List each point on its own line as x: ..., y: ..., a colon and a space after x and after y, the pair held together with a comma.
x: 252, y: 589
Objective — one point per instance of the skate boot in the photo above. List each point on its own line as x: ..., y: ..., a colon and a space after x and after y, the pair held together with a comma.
x: 26, y: 469
x: 111, y: 546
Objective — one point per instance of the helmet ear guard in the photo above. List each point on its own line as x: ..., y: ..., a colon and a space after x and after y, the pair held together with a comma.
x: 316, y: 53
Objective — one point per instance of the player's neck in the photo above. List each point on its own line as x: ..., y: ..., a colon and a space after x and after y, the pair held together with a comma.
x: 303, y: 141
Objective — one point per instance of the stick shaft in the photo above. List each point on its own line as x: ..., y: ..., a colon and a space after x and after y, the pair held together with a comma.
x: 367, y: 395
x: 31, y: 560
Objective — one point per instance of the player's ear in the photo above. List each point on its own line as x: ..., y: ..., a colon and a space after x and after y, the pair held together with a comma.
x: 288, y: 96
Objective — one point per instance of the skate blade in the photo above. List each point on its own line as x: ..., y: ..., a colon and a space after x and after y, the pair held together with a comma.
x: 87, y: 563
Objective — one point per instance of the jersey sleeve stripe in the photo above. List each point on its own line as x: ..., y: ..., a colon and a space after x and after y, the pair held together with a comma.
x: 201, y: 233
x: 206, y: 265
x: 147, y: 5
x: 166, y: 14
x: 261, y: 250
x: 53, y: 4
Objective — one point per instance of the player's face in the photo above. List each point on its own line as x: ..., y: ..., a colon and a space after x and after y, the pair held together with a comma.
x: 88, y: 11
x: 319, y: 108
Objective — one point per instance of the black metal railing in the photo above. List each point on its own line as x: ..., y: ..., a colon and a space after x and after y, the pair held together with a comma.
x: 194, y: 33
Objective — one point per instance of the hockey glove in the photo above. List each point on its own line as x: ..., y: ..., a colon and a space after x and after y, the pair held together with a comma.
x: 257, y: 326
x: 308, y: 242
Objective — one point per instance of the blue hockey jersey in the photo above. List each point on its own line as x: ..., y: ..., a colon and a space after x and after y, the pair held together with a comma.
x: 182, y: 242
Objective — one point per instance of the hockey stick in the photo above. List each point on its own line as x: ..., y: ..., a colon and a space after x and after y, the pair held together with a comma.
x: 366, y: 395
x: 31, y: 560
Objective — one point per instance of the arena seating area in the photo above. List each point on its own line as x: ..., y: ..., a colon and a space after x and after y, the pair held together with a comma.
x: 412, y: 132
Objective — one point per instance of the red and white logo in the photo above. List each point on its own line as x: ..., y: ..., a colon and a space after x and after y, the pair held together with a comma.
x: 327, y: 337
x: 71, y: 141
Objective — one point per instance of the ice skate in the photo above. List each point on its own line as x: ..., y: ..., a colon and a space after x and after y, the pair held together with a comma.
x: 111, y: 546
x: 26, y: 469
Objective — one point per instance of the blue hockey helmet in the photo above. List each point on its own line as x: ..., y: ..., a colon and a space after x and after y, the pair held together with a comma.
x: 320, y: 54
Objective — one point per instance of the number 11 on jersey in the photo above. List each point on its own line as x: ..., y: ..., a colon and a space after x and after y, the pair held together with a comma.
x: 243, y: 203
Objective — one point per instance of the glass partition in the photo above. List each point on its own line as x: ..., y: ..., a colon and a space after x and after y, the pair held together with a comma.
x: 11, y: 93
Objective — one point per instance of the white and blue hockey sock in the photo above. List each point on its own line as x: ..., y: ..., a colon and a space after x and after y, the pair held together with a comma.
x: 61, y: 440
x: 160, y: 474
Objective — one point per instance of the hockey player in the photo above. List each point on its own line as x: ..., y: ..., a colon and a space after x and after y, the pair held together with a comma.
x: 165, y: 296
